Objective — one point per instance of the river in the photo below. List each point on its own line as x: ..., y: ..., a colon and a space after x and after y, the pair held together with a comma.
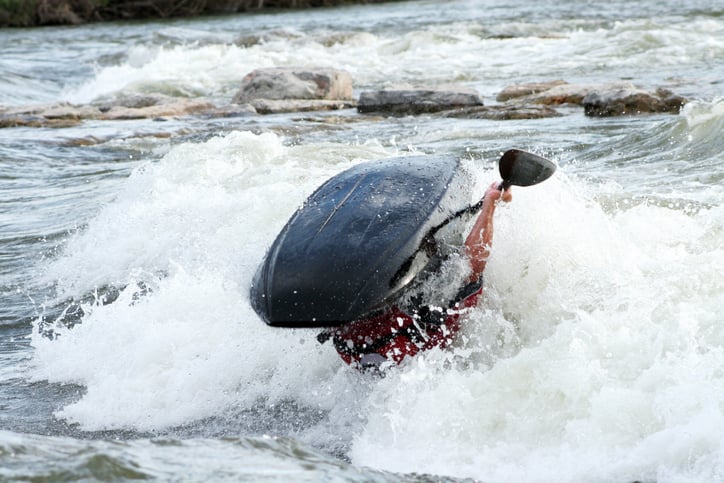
x: 128, y: 346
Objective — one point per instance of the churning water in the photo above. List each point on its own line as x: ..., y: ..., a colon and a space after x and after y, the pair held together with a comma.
x: 128, y: 347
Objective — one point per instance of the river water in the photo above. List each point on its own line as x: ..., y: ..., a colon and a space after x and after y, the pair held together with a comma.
x: 128, y: 347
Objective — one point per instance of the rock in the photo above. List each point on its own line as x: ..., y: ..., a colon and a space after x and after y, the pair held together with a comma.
x: 177, y: 107
x: 31, y: 109
x: 674, y: 101
x: 134, y: 101
x: 569, y: 93
x: 281, y: 83
x: 332, y: 120
x: 68, y: 111
x: 631, y: 101
x: 30, y: 120
x: 527, y: 89
x: 45, y: 115
x: 230, y: 110
x: 504, y: 112
x: 65, y: 115
x: 608, y: 99
x: 269, y: 106
x: 418, y: 101
x: 249, y: 40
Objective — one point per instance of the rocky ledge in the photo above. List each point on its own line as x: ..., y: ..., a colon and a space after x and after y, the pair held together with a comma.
x: 608, y: 99
x: 302, y: 89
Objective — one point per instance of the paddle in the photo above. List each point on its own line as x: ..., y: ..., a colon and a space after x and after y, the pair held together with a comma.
x: 521, y: 168
x: 517, y: 168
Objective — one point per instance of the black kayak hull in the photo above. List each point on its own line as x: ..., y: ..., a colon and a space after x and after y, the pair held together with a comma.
x: 357, y: 241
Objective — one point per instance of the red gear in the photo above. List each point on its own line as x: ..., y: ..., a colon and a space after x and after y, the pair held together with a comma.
x: 393, y: 335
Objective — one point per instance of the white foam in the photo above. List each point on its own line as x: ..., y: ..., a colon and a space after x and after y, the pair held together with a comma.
x: 448, y: 53
x: 702, y: 115
x: 596, y: 353
x: 614, y: 356
x: 193, y: 229
x: 596, y: 349
x: 188, y: 71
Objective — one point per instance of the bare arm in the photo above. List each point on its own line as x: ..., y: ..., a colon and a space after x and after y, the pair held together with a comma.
x: 480, y: 238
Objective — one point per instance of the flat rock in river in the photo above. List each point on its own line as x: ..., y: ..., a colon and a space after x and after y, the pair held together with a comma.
x: 504, y: 112
x: 404, y: 101
x: 562, y: 93
x: 64, y: 114
x: 179, y: 107
x: 516, y: 91
x: 271, y: 106
x: 631, y: 101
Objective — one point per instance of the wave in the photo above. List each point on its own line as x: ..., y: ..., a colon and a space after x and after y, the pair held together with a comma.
x: 181, y: 244
x: 588, y: 338
x: 34, y: 457
x: 487, y: 57
x: 705, y: 121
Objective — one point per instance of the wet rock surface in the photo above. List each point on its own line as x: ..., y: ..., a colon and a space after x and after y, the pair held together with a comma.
x: 599, y: 100
x: 516, y: 91
x: 410, y: 101
x: 268, y: 106
x: 308, y: 89
x: 504, y: 112
x: 623, y: 102
x: 566, y: 93
x: 65, y: 114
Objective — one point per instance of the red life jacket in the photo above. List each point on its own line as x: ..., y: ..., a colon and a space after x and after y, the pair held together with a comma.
x: 394, y: 334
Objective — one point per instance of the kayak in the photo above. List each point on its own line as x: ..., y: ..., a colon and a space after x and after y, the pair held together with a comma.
x: 359, y: 240
x: 369, y: 232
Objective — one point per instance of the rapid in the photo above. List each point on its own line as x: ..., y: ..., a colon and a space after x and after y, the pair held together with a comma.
x: 128, y: 345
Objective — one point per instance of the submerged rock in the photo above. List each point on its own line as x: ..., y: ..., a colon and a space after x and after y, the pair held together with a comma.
x: 298, y: 83
x: 555, y: 92
x: 269, y: 106
x: 404, y: 101
x: 134, y: 101
x: 621, y: 102
x: 45, y: 115
x: 605, y: 99
x: 148, y: 106
x: 504, y: 112
x: 67, y: 115
x: 571, y: 93
x: 230, y: 110
x: 31, y: 120
x: 284, y: 90
x: 176, y: 108
x: 516, y: 91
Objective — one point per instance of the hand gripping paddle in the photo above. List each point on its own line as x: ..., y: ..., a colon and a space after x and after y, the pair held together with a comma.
x: 517, y: 168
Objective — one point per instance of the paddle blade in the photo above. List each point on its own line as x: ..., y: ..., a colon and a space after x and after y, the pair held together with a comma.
x: 521, y: 168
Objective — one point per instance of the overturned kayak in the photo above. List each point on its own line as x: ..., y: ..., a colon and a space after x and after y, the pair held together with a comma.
x: 359, y: 240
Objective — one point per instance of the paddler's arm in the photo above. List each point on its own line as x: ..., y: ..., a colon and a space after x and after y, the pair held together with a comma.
x: 480, y: 239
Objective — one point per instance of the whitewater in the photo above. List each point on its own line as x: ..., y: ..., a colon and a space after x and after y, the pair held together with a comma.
x: 128, y: 345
